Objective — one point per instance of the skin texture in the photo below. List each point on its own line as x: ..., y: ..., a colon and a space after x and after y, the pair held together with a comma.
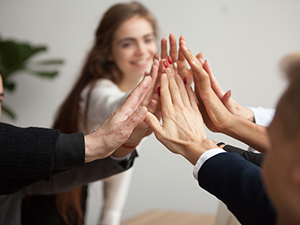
x: 183, y: 129
x: 215, y: 114
x: 119, y: 126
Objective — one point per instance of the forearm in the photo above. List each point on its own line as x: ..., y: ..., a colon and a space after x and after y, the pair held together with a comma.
x: 250, y: 133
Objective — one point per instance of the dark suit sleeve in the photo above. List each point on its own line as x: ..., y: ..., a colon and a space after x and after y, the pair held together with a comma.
x: 238, y: 184
x: 255, y: 158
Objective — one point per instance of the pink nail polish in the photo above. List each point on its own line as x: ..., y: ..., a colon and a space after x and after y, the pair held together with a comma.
x: 184, y: 80
x: 170, y: 60
x: 158, y: 91
x: 165, y: 64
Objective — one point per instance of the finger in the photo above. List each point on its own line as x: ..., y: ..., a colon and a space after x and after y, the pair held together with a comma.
x: 152, y: 106
x: 135, y: 119
x: 192, y: 97
x: 199, y: 74
x: 156, y: 56
x: 153, y: 74
x: 153, y: 122
x: 214, y: 83
x: 173, y: 47
x: 164, y: 48
x: 135, y: 98
x: 165, y: 97
x: 174, y: 89
x: 199, y: 56
x: 226, y: 98
x: 183, y: 91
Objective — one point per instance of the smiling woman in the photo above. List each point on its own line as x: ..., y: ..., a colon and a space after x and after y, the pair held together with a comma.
x: 123, y: 51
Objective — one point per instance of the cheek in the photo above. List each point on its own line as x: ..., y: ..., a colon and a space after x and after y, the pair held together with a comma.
x: 153, y: 48
x: 121, y: 58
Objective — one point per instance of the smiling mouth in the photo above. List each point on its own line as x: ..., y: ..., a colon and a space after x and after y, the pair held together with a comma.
x: 142, y: 62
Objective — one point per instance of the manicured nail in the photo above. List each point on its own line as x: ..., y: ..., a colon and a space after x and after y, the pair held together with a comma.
x: 158, y: 91
x: 170, y: 60
x: 184, y: 80
x: 165, y: 64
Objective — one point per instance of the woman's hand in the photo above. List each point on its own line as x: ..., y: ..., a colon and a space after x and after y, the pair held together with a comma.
x: 183, y: 130
x: 231, y: 105
x: 177, y: 58
x: 216, y: 116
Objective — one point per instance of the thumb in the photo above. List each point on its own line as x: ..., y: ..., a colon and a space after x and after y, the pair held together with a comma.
x: 153, y: 122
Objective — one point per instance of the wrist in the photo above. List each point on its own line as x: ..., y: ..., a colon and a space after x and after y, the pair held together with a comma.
x: 249, y: 115
x: 194, y: 151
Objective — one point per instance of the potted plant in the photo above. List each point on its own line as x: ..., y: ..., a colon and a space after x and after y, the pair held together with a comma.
x: 17, y: 56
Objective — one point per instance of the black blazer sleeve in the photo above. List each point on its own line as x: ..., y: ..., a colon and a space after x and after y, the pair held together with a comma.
x: 255, y: 158
x: 26, y: 155
x: 238, y: 184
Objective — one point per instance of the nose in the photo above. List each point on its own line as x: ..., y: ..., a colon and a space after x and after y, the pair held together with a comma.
x: 141, y: 48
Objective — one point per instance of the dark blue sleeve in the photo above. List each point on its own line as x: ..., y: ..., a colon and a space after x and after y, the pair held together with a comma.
x: 238, y: 184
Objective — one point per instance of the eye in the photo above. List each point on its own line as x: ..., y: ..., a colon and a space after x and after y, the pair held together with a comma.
x: 149, y: 40
x: 126, y: 45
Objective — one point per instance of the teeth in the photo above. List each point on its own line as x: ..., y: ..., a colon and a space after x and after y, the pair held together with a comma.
x: 141, y: 62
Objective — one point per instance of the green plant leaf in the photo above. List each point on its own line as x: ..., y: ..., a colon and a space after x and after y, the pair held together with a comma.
x: 9, y: 86
x: 49, y: 62
x: 15, y: 54
x: 9, y: 112
x: 49, y: 74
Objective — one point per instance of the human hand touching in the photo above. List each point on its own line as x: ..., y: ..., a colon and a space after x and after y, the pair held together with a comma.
x: 216, y: 116
x: 183, y: 130
x: 119, y: 126
x: 151, y: 103
x: 226, y: 99
x: 177, y: 58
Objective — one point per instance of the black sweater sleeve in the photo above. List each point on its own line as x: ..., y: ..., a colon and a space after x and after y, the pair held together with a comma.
x: 31, y: 154
x: 26, y: 155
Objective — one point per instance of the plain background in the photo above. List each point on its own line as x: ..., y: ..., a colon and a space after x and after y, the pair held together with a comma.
x: 243, y: 41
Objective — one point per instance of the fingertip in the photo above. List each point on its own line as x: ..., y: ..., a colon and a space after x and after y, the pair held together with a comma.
x: 142, y: 111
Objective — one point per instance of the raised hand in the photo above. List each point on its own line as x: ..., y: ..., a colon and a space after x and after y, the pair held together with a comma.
x: 216, y: 115
x: 177, y: 58
x: 183, y: 130
x: 151, y: 103
x: 226, y: 99
x: 119, y: 126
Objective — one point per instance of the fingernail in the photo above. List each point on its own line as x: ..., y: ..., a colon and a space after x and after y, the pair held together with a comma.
x: 175, y: 66
x: 184, y: 80
x: 142, y: 111
x: 165, y: 64
x: 158, y: 91
x: 169, y: 59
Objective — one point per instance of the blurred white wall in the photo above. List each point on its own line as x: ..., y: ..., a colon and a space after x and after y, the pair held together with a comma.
x: 243, y: 41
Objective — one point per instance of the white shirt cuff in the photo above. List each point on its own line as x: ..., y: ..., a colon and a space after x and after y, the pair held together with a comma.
x: 120, y: 159
x: 263, y: 116
x: 205, y: 156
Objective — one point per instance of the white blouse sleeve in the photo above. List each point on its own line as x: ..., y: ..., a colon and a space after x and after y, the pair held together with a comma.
x: 105, y: 98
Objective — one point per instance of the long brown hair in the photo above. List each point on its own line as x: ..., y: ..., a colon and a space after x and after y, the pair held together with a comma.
x: 97, y: 66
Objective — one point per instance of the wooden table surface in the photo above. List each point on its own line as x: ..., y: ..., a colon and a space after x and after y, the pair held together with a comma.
x: 160, y: 217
